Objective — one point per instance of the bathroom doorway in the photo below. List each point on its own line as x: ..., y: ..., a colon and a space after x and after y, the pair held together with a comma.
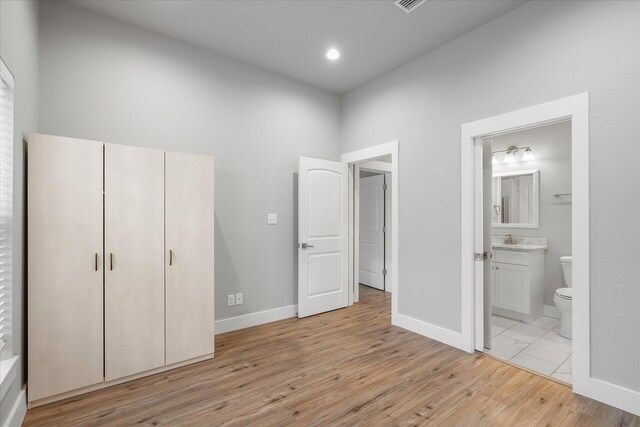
x: 527, y: 205
x: 514, y: 200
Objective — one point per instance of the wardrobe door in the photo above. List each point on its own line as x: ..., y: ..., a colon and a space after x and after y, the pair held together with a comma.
x: 64, y: 264
x: 134, y: 261
x: 189, y: 256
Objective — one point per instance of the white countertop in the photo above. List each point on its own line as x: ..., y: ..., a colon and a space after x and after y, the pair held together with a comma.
x: 518, y: 247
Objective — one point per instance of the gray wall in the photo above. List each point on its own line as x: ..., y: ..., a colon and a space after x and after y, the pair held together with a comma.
x: 551, y: 146
x: 19, y: 50
x: 537, y: 53
x: 106, y: 80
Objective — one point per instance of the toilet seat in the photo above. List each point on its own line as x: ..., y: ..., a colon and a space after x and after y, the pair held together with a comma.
x: 565, y: 293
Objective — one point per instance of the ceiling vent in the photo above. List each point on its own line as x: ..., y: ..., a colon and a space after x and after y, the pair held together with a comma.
x: 408, y: 5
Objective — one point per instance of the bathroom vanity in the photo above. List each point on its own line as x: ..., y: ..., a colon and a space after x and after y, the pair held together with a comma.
x: 517, y: 285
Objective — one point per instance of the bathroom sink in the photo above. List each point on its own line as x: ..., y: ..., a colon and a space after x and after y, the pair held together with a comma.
x: 518, y: 247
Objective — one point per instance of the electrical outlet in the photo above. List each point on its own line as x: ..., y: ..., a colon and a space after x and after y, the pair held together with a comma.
x: 231, y: 300
x: 239, y: 298
x: 272, y: 219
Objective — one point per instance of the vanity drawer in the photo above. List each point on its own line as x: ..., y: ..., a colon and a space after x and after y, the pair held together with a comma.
x: 511, y: 257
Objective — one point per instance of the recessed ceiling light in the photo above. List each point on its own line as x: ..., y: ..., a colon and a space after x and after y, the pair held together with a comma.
x: 333, y: 54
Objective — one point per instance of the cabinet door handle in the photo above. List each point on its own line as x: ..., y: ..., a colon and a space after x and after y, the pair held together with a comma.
x: 110, y: 261
x: 170, y: 257
x: 96, y: 261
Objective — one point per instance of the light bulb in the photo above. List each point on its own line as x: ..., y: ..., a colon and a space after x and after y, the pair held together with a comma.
x: 494, y: 161
x: 528, y: 155
x: 509, y: 158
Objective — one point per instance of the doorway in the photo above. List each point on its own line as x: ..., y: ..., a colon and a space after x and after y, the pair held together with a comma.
x: 381, y: 159
x: 371, y: 229
x: 372, y: 223
x: 527, y: 235
x: 475, y: 242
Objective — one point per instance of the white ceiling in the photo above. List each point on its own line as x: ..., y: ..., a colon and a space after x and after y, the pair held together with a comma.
x: 291, y: 37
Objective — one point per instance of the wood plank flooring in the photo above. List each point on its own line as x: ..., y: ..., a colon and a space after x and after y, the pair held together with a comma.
x: 346, y: 367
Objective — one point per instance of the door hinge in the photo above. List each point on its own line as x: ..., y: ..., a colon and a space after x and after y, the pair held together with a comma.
x: 384, y: 229
x: 384, y: 272
x: 481, y: 256
x: 384, y: 187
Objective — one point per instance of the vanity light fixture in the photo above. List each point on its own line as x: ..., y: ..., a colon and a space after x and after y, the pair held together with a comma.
x: 511, y: 153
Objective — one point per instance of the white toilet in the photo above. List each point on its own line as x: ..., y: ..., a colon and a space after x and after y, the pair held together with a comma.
x: 564, y: 297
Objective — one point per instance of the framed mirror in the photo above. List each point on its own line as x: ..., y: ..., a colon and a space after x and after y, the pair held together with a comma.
x: 515, y: 198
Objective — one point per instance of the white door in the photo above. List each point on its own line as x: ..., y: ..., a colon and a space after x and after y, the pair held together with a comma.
x: 189, y: 256
x: 323, y: 236
x: 482, y: 244
x: 488, y: 209
x: 65, y: 265
x: 371, y: 242
x: 134, y: 256
x: 387, y: 232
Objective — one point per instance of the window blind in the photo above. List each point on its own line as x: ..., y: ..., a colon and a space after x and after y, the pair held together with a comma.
x: 6, y: 208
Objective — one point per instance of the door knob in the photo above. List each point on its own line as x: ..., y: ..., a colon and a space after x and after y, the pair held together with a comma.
x: 305, y: 245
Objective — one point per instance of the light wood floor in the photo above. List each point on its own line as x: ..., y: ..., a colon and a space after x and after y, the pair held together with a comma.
x: 347, y: 367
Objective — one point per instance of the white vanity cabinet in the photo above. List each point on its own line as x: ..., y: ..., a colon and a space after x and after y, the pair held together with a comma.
x: 518, y: 283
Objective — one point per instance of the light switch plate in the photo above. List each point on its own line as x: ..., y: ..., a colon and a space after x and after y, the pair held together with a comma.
x: 239, y: 298
x: 272, y: 219
x: 231, y: 300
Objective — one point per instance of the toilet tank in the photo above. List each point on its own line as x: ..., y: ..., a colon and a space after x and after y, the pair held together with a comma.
x: 566, y: 262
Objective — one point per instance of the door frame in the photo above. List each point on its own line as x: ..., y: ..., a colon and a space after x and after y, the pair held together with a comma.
x: 355, y: 159
x: 576, y: 109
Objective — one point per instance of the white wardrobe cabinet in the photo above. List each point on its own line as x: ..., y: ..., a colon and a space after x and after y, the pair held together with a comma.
x: 134, y: 248
x: 65, y: 269
x: 120, y: 264
x: 189, y: 255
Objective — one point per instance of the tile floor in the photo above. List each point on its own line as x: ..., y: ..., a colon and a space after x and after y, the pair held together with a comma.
x: 536, y: 346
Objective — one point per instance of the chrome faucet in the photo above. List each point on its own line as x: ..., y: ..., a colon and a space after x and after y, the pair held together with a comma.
x: 508, y: 240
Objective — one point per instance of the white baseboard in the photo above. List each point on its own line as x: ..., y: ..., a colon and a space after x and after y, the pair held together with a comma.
x: 446, y: 336
x: 18, y: 411
x: 614, y: 395
x: 255, y: 319
x: 551, y: 311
